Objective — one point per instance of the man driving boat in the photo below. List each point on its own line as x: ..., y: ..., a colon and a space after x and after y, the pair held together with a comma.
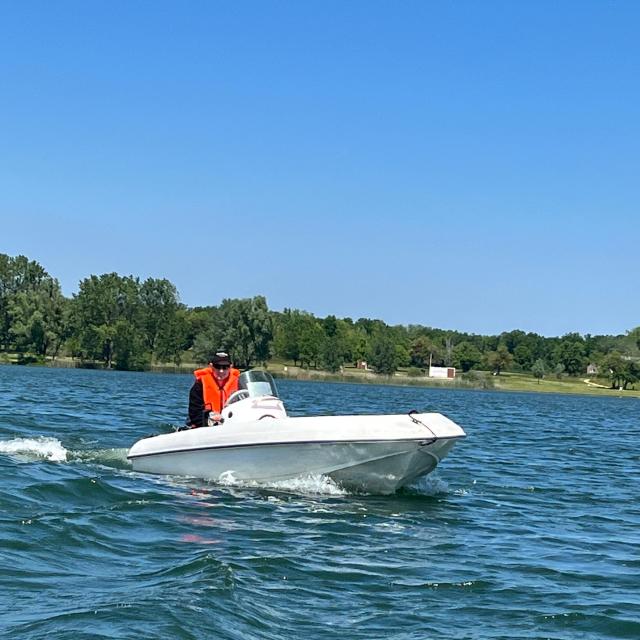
x: 211, y: 389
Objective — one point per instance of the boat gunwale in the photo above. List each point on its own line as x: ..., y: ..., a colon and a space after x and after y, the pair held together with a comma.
x: 426, y: 442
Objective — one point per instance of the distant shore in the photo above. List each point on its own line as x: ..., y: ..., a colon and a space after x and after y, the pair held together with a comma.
x: 479, y: 380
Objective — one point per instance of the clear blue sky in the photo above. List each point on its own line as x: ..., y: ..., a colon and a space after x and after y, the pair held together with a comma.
x: 462, y: 165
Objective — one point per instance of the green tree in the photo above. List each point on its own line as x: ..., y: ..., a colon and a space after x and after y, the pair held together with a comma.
x: 466, y: 356
x: 403, y: 358
x: 261, y: 326
x: 423, y: 351
x: 241, y: 326
x: 523, y: 356
x: 630, y: 373
x: 162, y: 319
x: 331, y: 354
x: 570, y: 353
x: 623, y: 370
x: 614, y: 364
x: 634, y: 334
x: 335, y: 348
x: 129, y: 346
x: 359, y: 340
x: 330, y: 326
x: 513, y: 339
x: 311, y: 337
x: 107, y: 320
x: 383, y: 352
x: 38, y: 321
x: 198, y: 320
x: 287, y: 330
x: 499, y: 360
x: 6, y: 286
x: 538, y: 369
x: 26, y: 321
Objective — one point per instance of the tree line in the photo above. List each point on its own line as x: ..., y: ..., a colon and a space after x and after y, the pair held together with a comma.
x: 125, y: 323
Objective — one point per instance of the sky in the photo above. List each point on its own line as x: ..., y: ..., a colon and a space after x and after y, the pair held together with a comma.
x: 462, y: 165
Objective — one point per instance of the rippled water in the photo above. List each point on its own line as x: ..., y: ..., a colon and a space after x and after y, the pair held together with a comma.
x: 529, y: 529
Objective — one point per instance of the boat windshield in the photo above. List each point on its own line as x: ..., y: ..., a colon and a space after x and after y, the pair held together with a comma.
x: 257, y: 383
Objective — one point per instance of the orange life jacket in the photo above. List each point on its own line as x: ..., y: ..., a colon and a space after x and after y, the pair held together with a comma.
x: 215, y: 396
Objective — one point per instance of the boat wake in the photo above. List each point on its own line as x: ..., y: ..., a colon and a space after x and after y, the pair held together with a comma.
x: 32, y: 449
x: 52, y: 450
x: 113, y: 458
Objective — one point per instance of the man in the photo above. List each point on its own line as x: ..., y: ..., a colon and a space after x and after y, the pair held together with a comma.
x: 212, y: 387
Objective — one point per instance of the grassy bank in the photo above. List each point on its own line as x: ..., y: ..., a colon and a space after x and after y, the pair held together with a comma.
x: 583, y: 386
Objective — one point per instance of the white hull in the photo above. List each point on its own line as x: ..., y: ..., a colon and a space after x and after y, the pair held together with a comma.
x: 375, y: 454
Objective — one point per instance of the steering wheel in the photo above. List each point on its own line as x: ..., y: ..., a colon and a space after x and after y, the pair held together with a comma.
x: 236, y: 396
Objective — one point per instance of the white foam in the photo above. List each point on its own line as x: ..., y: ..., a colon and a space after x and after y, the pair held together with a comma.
x: 35, y: 448
x: 429, y: 486
x: 315, y: 484
x: 116, y: 458
x: 311, y: 484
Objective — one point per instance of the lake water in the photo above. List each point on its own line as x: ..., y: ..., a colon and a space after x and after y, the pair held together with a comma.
x: 529, y: 529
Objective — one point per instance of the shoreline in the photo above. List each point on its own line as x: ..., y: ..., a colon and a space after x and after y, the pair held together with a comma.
x: 474, y: 380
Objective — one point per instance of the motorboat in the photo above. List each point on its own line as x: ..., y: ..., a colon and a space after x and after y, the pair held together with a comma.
x: 255, y: 441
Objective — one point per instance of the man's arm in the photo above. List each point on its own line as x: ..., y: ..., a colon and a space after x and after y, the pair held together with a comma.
x: 196, y: 404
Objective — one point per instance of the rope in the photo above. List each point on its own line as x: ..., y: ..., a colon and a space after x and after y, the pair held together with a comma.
x: 416, y: 421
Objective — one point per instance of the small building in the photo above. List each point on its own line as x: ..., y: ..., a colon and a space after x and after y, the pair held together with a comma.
x: 592, y: 370
x: 442, y: 372
x: 362, y: 364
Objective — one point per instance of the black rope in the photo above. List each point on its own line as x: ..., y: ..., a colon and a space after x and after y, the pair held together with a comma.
x: 416, y: 421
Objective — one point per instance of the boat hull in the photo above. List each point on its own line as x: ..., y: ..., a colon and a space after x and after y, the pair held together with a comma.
x: 372, y: 454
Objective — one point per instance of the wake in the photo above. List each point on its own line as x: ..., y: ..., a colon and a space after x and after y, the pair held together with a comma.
x: 52, y: 450
x: 32, y: 449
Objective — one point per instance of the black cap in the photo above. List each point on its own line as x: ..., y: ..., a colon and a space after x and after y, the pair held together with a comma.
x: 220, y: 358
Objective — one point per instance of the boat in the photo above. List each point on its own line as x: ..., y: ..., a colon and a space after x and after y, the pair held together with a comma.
x: 257, y: 442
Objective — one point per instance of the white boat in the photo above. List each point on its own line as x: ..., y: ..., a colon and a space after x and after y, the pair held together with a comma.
x: 258, y: 442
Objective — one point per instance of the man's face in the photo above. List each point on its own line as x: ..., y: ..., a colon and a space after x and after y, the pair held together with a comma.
x: 220, y: 371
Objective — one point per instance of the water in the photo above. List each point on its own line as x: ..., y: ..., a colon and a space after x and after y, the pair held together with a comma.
x: 529, y: 529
